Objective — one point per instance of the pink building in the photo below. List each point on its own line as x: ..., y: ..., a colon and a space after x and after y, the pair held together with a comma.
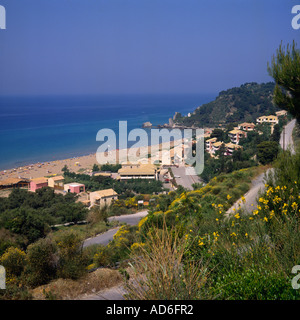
x: 74, y: 187
x: 38, y: 183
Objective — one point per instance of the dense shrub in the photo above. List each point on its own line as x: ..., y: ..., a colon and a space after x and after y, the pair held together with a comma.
x: 29, y: 215
x: 72, y: 260
x: 14, y: 261
x: 42, y: 262
x: 255, y: 284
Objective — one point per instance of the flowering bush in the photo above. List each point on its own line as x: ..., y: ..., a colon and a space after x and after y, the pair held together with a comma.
x: 14, y: 261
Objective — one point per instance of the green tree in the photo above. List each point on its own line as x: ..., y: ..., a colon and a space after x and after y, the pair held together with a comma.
x: 218, y: 133
x: 267, y: 151
x: 222, y: 157
x: 276, y: 133
x: 285, y: 69
x: 111, y: 167
x: 65, y: 169
x: 95, y: 168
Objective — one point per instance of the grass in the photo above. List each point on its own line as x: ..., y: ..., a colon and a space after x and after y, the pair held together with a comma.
x: 86, y: 230
x: 243, y: 257
x: 66, y: 289
x: 158, y: 271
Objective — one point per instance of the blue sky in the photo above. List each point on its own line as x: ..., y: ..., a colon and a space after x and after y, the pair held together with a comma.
x: 139, y: 46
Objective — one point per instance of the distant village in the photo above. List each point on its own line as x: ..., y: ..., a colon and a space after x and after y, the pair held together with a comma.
x: 141, y: 170
x: 99, y: 198
x: 239, y: 132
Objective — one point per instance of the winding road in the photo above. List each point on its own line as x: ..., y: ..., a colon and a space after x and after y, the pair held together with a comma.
x: 117, y: 292
x: 104, y: 238
x: 258, y: 184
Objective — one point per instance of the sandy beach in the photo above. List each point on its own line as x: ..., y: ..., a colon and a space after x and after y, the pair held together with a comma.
x: 50, y: 168
x: 81, y: 164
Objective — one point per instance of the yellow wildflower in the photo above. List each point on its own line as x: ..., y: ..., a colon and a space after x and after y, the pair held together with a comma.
x: 294, y: 206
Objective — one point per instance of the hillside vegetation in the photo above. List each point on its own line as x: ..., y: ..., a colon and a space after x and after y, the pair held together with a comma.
x: 239, y: 104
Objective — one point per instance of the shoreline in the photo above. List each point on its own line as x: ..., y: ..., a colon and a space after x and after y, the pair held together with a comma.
x: 47, y: 168
x: 75, y: 164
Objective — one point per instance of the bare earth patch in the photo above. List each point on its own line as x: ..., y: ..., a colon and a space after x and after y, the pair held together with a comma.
x: 5, y: 193
x: 66, y: 289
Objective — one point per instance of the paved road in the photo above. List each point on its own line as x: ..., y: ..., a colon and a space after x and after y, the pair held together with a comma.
x: 114, y: 293
x: 186, y: 176
x: 258, y: 184
x: 104, y: 238
x: 286, y: 140
x: 131, y: 219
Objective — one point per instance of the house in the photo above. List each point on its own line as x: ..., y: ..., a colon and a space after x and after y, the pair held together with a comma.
x: 281, y: 113
x: 216, y: 146
x: 38, y: 183
x: 138, y: 171
x: 56, y: 182
x: 246, y: 126
x: 267, y: 119
x: 209, y: 144
x: 236, y: 135
x: 74, y: 187
x: 102, y: 197
x: 14, y: 183
x: 230, y: 147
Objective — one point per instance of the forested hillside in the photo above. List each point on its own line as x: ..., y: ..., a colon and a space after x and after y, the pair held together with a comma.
x: 239, y: 104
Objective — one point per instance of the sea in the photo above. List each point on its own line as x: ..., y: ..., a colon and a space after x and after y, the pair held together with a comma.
x: 46, y: 128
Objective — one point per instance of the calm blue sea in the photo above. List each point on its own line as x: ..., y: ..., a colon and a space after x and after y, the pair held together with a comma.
x: 40, y: 129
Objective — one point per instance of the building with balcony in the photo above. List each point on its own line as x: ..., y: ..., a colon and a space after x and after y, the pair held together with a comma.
x: 138, y: 171
x: 267, y: 119
x: 216, y: 146
x: 246, y: 126
x: 281, y: 113
x: 231, y: 147
x: 209, y: 144
x: 56, y: 182
x: 14, y: 183
x: 236, y: 135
